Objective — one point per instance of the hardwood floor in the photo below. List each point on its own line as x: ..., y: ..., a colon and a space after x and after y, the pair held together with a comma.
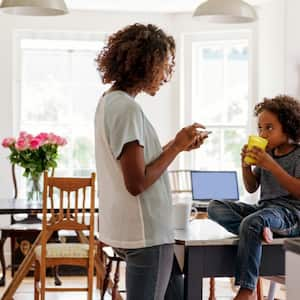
x: 223, y: 289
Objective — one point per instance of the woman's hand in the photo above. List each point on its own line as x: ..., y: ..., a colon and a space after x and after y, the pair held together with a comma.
x: 198, y: 141
x: 189, y: 137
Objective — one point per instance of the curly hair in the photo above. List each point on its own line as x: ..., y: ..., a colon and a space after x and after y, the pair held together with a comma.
x: 132, y: 56
x: 287, y: 110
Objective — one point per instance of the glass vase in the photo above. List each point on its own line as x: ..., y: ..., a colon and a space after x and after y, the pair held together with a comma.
x: 34, y: 188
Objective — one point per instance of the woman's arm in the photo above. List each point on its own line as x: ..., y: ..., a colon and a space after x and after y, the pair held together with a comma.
x: 138, y: 176
x: 168, y: 145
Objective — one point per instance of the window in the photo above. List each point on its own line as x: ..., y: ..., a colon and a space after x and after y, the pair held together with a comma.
x: 59, y: 90
x: 217, y: 94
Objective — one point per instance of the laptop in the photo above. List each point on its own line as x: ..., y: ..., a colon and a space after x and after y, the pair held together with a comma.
x: 209, y: 185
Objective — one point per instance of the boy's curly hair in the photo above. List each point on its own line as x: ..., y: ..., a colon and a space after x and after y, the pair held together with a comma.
x: 287, y: 110
x: 133, y: 55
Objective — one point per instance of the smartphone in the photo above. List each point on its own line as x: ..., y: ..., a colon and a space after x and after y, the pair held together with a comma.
x: 205, y: 133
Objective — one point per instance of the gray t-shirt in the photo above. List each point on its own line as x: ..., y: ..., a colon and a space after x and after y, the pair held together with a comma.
x: 128, y: 221
x: 271, y: 190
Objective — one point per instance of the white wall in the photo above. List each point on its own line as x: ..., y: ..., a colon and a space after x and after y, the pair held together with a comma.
x: 292, y: 55
x: 279, y: 49
x: 271, y: 49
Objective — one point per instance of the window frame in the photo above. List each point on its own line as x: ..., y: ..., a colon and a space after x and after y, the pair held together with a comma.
x: 187, y: 160
x: 19, y: 36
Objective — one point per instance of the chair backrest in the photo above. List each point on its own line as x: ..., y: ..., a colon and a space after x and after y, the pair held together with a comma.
x: 67, y: 203
x: 180, y: 181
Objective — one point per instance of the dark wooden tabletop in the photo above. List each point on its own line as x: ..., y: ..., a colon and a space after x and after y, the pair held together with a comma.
x: 19, y: 206
x: 22, y: 206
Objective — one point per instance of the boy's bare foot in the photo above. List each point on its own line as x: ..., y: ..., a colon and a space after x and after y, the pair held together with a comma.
x: 245, y: 294
x: 267, y: 235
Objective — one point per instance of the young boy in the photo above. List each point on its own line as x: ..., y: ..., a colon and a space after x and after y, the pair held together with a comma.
x: 277, y: 173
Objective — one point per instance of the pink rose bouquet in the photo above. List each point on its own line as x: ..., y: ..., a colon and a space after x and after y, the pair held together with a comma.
x: 34, y: 153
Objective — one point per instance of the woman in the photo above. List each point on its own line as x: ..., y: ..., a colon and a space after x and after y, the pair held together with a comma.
x: 135, y: 199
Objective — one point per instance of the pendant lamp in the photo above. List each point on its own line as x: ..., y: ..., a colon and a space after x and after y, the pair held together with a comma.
x: 225, y: 11
x: 34, y: 7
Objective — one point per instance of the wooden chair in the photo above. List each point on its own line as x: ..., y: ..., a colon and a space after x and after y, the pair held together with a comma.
x: 26, y: 228
x: 109, y: 256
x: 67, y: 199
x: 180, y: 181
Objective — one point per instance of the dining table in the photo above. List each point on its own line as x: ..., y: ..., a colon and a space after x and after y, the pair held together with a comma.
x: 12, y: 206
x: 205, y: 249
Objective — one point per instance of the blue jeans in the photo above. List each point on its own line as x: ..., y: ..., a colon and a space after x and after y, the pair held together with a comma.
x: 152, y: 273
x: 248, y: 221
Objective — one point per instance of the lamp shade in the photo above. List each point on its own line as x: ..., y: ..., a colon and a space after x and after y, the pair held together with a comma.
x: 34, y: 7
x: 225, y: 11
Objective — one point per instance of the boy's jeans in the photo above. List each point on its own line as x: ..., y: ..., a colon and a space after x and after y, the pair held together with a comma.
x: 248, y: 221
x: 152, y: 273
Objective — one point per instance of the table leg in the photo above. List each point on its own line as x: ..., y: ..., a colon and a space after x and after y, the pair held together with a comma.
x: 2, y: 260
x: 193, y: 287
x: 23, y: 269
x: 193, y: 279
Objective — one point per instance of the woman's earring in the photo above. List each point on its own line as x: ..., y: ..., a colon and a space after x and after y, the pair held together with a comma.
x: 291, y: 141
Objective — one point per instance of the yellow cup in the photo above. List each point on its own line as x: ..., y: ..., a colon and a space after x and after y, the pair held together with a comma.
x: 258, y: 142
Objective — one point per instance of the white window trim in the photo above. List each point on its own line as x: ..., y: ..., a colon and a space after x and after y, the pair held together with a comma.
x: 186, y: 95
x: 18, y: 36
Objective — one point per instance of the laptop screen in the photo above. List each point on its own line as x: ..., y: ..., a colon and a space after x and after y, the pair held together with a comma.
x: 208, y: 185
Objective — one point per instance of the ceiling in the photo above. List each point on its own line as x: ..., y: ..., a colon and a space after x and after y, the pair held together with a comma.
x: 165, y: 6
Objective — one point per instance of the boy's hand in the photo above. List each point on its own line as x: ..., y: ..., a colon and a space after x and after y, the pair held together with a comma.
x: 243, y: 155
x: 263, y: 159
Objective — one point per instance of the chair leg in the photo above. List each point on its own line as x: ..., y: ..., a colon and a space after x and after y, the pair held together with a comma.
x: 100, y: 269
x: 42, y: 280
x: 106, y: 278
x: 98, y: 280
x: 2, y: 260
x: 12, y: 247
x: 99, y: 258
x: 116, y: 281
x: 90, y: 279
x: 260, y: 293
x: 272, y: 289
x: 36, y: 279
x: 57, y: 280
x: 212, y: 283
